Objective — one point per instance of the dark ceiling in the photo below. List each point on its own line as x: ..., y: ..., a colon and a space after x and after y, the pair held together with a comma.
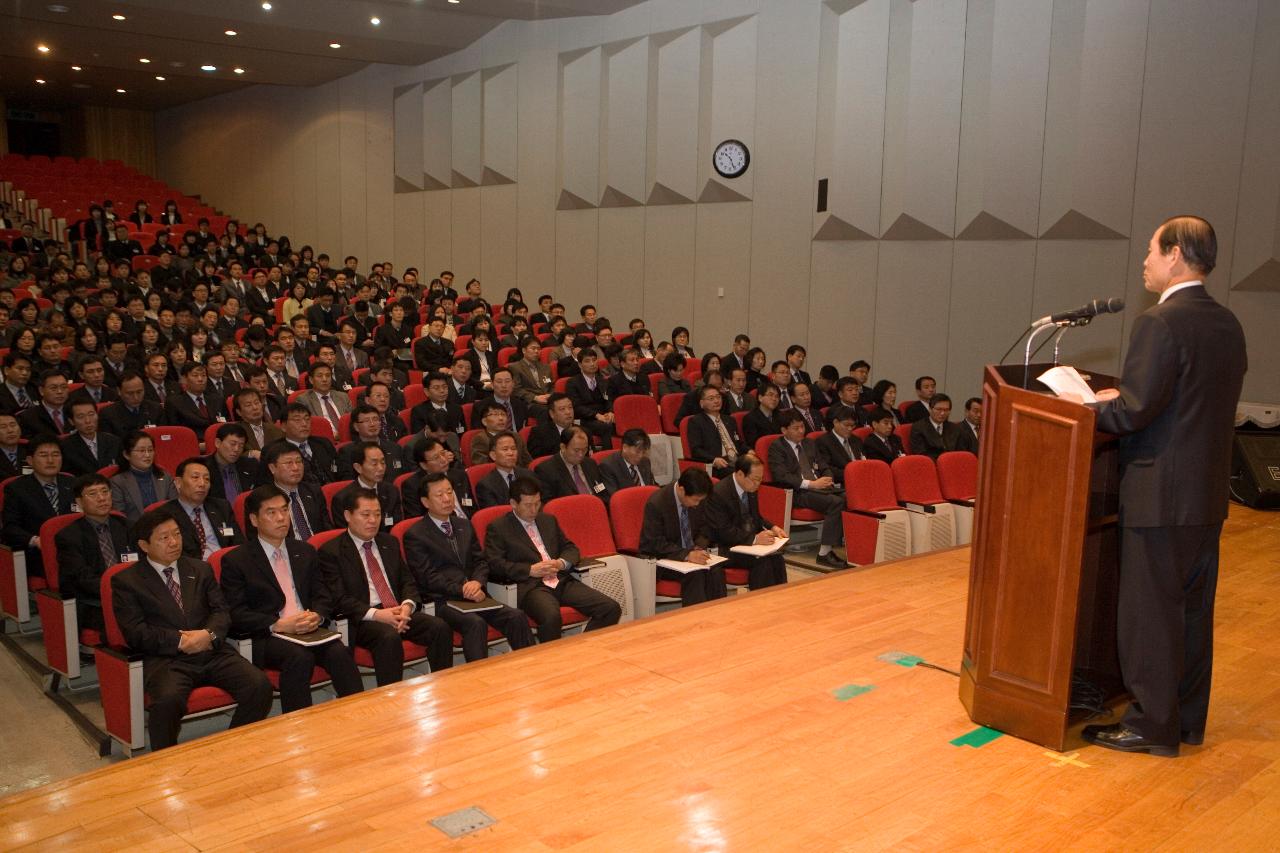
x: 287, y: 44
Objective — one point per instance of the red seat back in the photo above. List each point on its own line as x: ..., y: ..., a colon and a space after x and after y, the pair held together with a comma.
x: 868, y: 486
x: 669, y: 407
x: 958, y: 475
x: 173, y: 445
x: 215, y: 561
x: 636, y: 411
x: 318, y: 540
x: 626, y: 514
x: 48, y: 547
x: 476, y: 473
x: 763, y: 443
x: 915, y: 479
x: 331, y: 489
x: 584, y: 520
x: 482, y: 519
x: 114, y: 636
x: 904, y: 435
x: 684, y: 439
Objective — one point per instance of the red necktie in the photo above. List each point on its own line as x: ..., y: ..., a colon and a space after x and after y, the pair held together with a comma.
x: 203, y: 407
x: 579, y: 480
x: 174, y: 589
x: 379, y: 578
x: 57, y: 418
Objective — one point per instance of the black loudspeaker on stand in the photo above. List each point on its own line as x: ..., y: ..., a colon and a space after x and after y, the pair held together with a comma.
x: 1255, y: 469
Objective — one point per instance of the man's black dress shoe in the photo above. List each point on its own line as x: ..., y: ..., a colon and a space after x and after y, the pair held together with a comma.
x: 831, y: 561
x: 1193, y: 738
x: 1121, y: 737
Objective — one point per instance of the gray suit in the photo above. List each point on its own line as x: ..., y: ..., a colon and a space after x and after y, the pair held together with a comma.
x: 127, y: 497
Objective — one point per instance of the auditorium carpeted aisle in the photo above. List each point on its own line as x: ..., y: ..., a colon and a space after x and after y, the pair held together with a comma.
x: 770, y: 722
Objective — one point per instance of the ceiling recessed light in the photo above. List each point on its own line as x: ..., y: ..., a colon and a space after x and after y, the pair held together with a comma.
x: 117, y: 17
x: 208, y: 68
x: 238, y: 70
x: 41, y: 82
x: 230, y: 33
x: 59, y: 8
x: 144, y: 60
x: 375, y: 21
x: 266, y: 7
x: 43, y: 48
x: 76, y: 68
x: 455, y: 1
x: 160, y: 77
x: 334, y: 45
x: 121, y: 91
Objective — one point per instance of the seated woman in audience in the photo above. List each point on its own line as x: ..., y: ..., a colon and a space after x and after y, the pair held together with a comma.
x: 112, y: 322
x: 680, y: 339
x: 297, y: 302
x: 762, y: 420
x: 642, y: 340
x: 198, y: 347
x: 161, y: 246
x: 76, y: 310
x: 755, y: 369
x: 885, y: 394
x: 148, y: 343
x: 23, y: 340
x: 710, y: 362
x: 176, y: 352
x: 17, y: 274
x: 86, y: 344
x: 154, y: 302
x: 518, y: 328
x: 140, y: 483
x: 101, y: 273
x: 483, y: 361
x: 171, y: 216
x: 673, y: 381
x: 396, y: 335
x: 140, y: 216
x: 26, y: 315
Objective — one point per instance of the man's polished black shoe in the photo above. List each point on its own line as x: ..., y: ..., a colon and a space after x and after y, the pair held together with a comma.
x: 1193, y: 738
x: 1124, y: 739
x: 831, y: 561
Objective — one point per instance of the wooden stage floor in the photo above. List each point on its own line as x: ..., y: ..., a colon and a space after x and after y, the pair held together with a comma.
x: 724, y: 727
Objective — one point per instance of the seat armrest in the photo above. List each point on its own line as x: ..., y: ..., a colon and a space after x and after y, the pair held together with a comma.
x: 914, y: 507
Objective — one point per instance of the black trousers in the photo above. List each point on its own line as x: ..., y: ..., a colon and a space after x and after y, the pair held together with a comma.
x: 474, y: 628
x: 697, y: 587
x: 1168, y: 580
x: 601, y: 433
x: 385, y: 645
x: 830, y: 505
x: 296, y: 663
x: 761, y: 571
x: 169, y: 682
x: 543, y: 604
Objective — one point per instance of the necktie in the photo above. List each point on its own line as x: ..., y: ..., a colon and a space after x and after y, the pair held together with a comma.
x: 535, y: 536
x: 385, y: 432
x: 727, y: 450
x: 106, y: 547
x: 806, y: 470
x: 300, y: 527
x: 280, y: 386
x: 686, y: 535
x: 174, y: 589
x: 579, y: 480
x: 447, y: 527
x: 511, y: 415
x: 285, y: 579
x: 331, y: 412
x: 305, y: 450
x: 202, y: 538
x: 351, y: 360
x: 635, y: 475
x: 96, y: 395
x: 746, y: 506
x: 159, y: 386
x: 23, y: 400
x: 230, y: 482
x: 937, y: 428
x: 848, y: 448
x: 203, y: 407
x: 379, y: 578
x: 51, y: 492
x: 591, y: 383
x: 56, y: 414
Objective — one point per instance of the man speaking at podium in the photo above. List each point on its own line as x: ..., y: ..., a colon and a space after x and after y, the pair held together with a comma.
x: 1175, y: 409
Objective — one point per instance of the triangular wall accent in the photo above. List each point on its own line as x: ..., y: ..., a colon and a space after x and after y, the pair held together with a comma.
x: 1265, y: 279
x: 490, y: 178
x: 569, y: 201
x: 716, y: 28
x: 489, y: 73
x: 403, y: 186
x: 461, y: 181
x: 836, y: 228
x: 615, y: 47
x: 1074, y: 225
x: 715, y: 192
x: 430, y: 183
x: 569, y: 56
x: 616, y: 198
x: 907, y: 227
x: 662, y: 194
x: 988, y: 227
x: 662, y: 39
x: 842, y: 6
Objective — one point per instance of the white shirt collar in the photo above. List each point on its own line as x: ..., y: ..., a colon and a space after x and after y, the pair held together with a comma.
x: 1180, y: 286
x: 270, y: 549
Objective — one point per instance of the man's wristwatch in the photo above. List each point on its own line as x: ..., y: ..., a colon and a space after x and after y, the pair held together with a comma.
x: 213, y: 636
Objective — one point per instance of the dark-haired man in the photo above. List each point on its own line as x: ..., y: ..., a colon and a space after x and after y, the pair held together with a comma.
x: 968, y: 432
x: 572, y: 471
x: 926, y: 387
x: 89, y: 546
x: 432, y: 456
x: 883, y: 443
x: 49, y: 414
x: 133, y: 411
x: 838, y: 446
x: 713, y: 439
x: 732, y: 516
x: 34, y: 498
x: 369, y: 464
x: 673, y: 529
x: 935, y: 435
x: 231, y: 472
x: 192, y: 408
x: 206, y: 522
x: 284, y: 465
x: 87, y: 449
x: 794, y: 464
x: 630, y: 466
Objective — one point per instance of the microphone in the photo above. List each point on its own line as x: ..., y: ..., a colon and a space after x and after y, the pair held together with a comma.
x: 1114, y: 305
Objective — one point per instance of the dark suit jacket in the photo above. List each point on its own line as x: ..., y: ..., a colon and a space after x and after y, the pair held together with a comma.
x: 511, y: 552
x: 220, y: 516
x: 884, y: 449
x: 262, y: 306
x: 660, y: 531
x: 620, y: 385
x: 313, y: 504
x: 36, y: 420
x: 9, y: 403
x: 557, y: 482
x: 726, y: 524
x: 704, y: 438
x: 254, y: 595
x: 180, y: 410
x: 386, y: 335
x: 343, y: 567
x: 518, y: 407
x: 151, y: 620
x: 322, y: 467
x: 492, y: 490
x: 149, y: 391
x: 917, y: 411
x: 411, y: 493
x: 246, y: 470
x: 430, y: 356
x: 118, y: 420
x: 617, y: 477
x: 784, y: 467
x: 466, y: 395
x: 388, y: 496
x: 453, y: 417
x: 729, y: 407
x: 833, y: 455
x: 966, y: 438
x: 80, y: 565
x: 26, y: 507
x: 14, y: 469
x: 544, y: 439
x: 106, y: 394
x: 1179, y: 387
x: 474, y: 356
x: 442, y: 566
x: 926, y: 441
x: 587, y: 403
x: 393, y: 452
x: 77, y: 460
x: 757, y: 424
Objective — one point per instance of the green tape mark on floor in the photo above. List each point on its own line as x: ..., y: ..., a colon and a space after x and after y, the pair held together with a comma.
x: 900, y: 658
x: 981, y: 736
x: 847, y: 692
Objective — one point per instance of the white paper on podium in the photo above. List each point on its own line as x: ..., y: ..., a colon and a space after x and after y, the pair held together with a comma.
x: 684, y: 567
x: 1064, y: 379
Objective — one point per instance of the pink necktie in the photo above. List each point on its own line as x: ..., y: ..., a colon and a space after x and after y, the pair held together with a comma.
x: 334, y: 418
x: 551, y: 581
x: 285, y: 579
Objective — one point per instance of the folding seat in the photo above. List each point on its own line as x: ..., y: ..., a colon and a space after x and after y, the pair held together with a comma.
x: 16, y: 586
x: 903, y: 432
x: 933, y: 523
x: 668, y: 408
x: 63, y: 637
x: 173, y: 444
x: 876, y: 528
x: 686, y: 461
x: 626, y: 515
x: 958, y: 481
x: 777, y: 503
x: 584, y: 519
x: 641, y: 411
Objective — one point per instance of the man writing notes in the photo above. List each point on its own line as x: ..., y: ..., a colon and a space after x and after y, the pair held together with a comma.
x: 1175, y: 409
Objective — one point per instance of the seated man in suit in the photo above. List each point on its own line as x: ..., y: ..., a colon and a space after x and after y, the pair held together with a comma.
x: 13, y: 454
x: 382, y: 400
x: 732, y: 517
x: 443, y: 551
x: 87, y: 449
x: 370, y: 466
x: 320, y: 459
x: 95, y: 389
x: 967, y: 433
x: 191, y: 407
x: 171, y: 611
x: 366, y: 426
x: 433, y: 352
x: 849, y: 394
x: 526, y: 547
x: 282, y: 384
x: 572, y: 471
x: 493, y: 419
x: 628, y: 379
x: 133, y: 412
x: 802, y: 402
x: 673, y: 529
x: 762, y: 420
x: 16, y: 392
x: 494, y: 487
x: 883, y: 444
x: 273, y: 585
x: 935, y: 435
x: 206, y: 522
x: 629, y: 466
x: 926, y: 387
x: 48, y: 415
x: 284, y: 465
x: 34, y: 498
x: 231, y: 472
x: 736, y: 398
x: 838, y: 446
x: 321, y: 399
x: 431, y: 456
x: 437, y: 387
x: 794, y: 464
x: 461, y: 389
x: 89, y: 546
x: 591, y: 401
x: 374, y: 589
x: 532, y: 378
x: 713, y: 439
x: 544, y: 439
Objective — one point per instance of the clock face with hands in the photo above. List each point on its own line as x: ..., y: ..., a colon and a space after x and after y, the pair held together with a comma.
x: 731, y: 158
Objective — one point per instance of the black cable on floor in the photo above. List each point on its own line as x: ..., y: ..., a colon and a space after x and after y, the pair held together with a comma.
x: 938, y: 668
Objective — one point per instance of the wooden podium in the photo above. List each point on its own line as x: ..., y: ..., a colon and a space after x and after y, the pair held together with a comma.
x: 1042, y: 578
